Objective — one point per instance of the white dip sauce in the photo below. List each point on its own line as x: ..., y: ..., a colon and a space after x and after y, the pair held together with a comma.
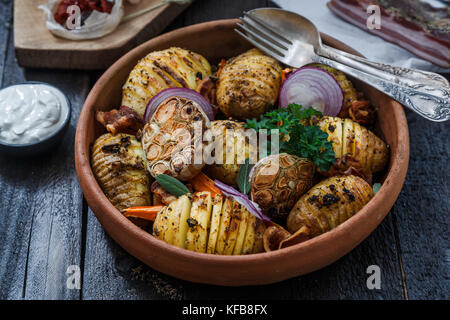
x: 30, y: 112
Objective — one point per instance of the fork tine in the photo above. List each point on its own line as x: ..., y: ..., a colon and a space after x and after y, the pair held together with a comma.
x: 267, y: 27
x: 263, y: 42
x: 278, y: 56
x: 250, y: 23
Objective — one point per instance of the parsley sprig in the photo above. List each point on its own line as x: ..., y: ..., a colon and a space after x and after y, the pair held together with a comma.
x: 297, y: 136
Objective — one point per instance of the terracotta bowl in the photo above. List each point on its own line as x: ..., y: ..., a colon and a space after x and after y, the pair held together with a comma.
x: 216, y: 40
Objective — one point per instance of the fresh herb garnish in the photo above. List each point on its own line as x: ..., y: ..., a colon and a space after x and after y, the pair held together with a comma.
x: 283, y: 118
x: 243, y: 176
x: 311, y: 142
x: 303, y: 114
x: 172, y: 185
x: 297, y: 136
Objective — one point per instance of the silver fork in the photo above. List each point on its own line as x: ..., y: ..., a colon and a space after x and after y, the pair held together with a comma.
x: 430, y: 101
x: 300, y: 28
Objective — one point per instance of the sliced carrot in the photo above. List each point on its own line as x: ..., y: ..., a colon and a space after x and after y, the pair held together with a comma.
x: 222, y: 63
x: 284, y: 74
x: 202, y: 182
x: 146, y: 212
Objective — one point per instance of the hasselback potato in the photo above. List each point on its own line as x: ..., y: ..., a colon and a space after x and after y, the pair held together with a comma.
x: 351, y: 138
x: 212, y: 224
x: 227, y: 138
x: 159, y: 70
x: 328, y: 204
x: 118, y: 164
x: 248, y: 85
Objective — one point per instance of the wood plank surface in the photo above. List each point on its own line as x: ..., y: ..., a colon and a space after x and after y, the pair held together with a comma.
x: 14, y: 225
x: 5, y: 25
x: 41, y: 203
x: 111, y: 273
x: 37, y: 47
x: 422, y: 211
x: 345, y: 279
x: 56, y: 233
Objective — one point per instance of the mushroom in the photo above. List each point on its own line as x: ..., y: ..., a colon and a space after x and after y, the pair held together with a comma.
x: 276, y: 237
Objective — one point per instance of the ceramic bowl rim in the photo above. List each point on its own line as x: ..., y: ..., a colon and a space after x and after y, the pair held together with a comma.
x: 109, y: 215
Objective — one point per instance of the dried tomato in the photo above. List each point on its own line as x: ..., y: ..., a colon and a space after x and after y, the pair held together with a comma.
x: 61, y: 14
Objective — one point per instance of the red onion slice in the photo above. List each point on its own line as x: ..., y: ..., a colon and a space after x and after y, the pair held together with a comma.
x: 192, y: 95
x: 313, y: 87
x: 251, y: 206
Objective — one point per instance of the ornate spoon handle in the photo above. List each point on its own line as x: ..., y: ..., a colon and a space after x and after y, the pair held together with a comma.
x: 406, y: 76
x: 431, y: 102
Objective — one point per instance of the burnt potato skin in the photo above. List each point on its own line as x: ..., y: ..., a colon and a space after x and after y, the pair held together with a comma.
x: 248, y: 85
x: 119, y: 167
x: 278, y: 181
x: 329, y: 203
x: 159, y: 70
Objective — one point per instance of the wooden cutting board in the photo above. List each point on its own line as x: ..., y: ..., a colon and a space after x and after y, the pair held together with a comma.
x: 36, y: 47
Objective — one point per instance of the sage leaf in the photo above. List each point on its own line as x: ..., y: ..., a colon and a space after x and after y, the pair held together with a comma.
x: 172, y: 185
x: 243, y: 177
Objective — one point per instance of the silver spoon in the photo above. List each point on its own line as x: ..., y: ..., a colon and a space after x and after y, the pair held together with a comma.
x: 425, y: 77
x: 295, y: 41
x: 344, y: 57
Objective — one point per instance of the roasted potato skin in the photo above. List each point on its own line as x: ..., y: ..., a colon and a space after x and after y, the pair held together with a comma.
x: 349, y: 137
x: 119, y: 167
x: 329, y: 203
x: 230, y: 229
x: 240, y: 150
x: 199, y: 228
x: 248, y: 85
x: 159, y: 70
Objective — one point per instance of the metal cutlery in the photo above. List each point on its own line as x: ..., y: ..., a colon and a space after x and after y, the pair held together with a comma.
x: 295, y: 41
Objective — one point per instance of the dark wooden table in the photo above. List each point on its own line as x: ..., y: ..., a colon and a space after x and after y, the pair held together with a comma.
x: 46, y: 226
